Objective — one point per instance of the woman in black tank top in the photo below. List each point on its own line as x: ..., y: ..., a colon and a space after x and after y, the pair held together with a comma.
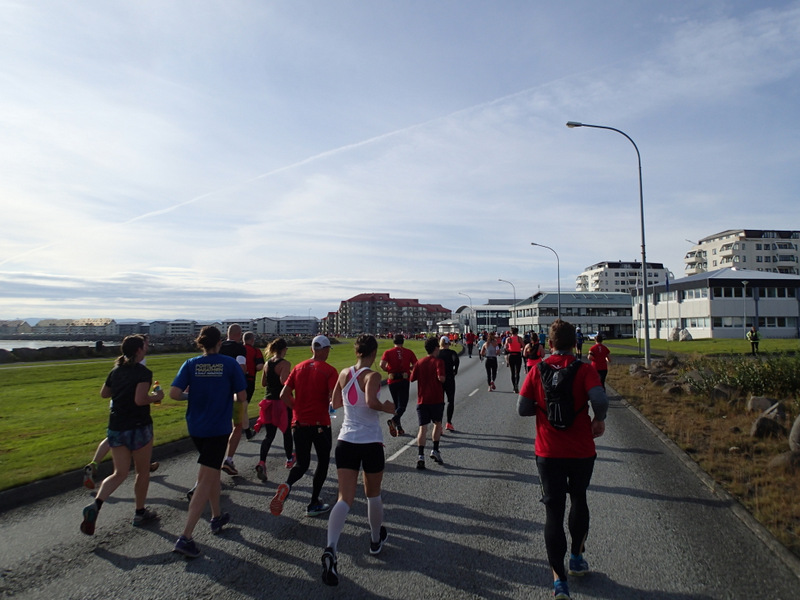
x: 273, y: 378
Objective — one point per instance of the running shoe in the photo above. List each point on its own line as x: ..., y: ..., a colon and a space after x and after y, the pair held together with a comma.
x: 376, y: 547
x: 217, y: 523
x: 290, y: 462
x: 248, y: 433
x: 560, y: 590
x: 392, y: 427
x: 187, y: 547
x: 190, y: 493
x: 421, y: 463
x: 315, y: 510
x: 148, y: 516
x: 89, y: 475
x: 154, y: 466
x: 449, y: 427
x: 437, y: 456
x: 400, y: 431
x: 492, y: 384
x: 329, y: 574
x: 229, y: 467
x: 261, y: 471
x: 276, y: 505
x: 578, y: 566
x: 89, y: 518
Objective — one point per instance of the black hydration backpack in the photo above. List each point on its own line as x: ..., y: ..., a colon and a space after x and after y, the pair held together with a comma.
x: 560, y: 403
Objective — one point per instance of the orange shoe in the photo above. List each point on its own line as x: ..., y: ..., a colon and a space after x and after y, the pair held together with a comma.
x: 276, y: 505
x: 449, y: 427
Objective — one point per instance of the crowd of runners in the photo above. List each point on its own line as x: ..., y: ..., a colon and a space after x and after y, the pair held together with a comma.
x: 218, y: 384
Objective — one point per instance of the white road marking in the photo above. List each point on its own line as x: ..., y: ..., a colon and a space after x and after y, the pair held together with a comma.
x: 403, y: 449
x: 472, y: 393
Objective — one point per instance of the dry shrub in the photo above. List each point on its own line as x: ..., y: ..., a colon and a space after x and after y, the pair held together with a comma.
x: 716, y: 434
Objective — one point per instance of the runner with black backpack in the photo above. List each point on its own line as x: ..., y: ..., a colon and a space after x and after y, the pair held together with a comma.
x: 558, y: 392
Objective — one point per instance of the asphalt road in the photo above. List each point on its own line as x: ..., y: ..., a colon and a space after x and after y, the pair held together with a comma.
x: 471, y: 528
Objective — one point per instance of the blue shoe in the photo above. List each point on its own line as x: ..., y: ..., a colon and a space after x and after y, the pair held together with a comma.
x: 578, y: 567
x: 187, y: 547
x: 218, y: 522
x: 320, y: 508
x: 560, y: 590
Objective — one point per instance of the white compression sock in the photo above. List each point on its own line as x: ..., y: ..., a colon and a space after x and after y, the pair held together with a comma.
x: 375, y: 516
x: 336, y: 522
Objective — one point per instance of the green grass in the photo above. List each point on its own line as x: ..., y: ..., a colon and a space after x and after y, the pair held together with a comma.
x: 704, y: 346
x: 52, y: 416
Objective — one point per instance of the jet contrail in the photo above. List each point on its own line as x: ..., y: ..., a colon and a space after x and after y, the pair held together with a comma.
x: 305, y: 161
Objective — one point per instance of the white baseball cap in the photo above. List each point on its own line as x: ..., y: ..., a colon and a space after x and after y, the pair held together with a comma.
x: 444, y: 340
x: 321, y: 342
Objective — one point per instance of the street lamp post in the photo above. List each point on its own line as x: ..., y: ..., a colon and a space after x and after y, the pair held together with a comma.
x: 515, y: 297
x: 744, y: 306
x: 572, y: 125
x: 558, y: 273
x: 471, y: 310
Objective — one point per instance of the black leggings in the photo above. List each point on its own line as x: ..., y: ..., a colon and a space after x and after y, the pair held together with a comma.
x: 399, y: 391
x: 491, y: 369
x: 304, y: 438
x: 450, y: 392
x: 559, y: 477
x: 515, y: 364
x: 288, y: 444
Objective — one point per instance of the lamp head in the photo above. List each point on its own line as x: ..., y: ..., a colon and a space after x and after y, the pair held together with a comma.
x: 574, y: 124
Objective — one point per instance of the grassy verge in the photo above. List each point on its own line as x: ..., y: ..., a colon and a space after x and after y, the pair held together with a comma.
x: 705, y: 347
x: 715, y: 433
x: 52, y: 416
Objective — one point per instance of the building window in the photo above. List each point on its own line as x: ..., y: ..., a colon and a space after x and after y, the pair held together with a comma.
x: 759, y: 259
x: 758, y: 246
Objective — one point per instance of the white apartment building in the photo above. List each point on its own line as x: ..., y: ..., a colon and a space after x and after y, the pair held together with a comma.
x: 619, y: 276
x: 725, y: 303
x: 772, y: 251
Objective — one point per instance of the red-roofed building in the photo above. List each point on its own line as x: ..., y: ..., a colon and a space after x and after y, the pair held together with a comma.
x: 380, y: 314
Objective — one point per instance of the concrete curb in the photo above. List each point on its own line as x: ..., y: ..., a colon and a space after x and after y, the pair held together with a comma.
x: 71, y: 480
x: 761, y: 532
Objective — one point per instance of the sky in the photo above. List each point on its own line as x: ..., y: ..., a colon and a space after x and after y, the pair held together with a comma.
x: 237, y: 159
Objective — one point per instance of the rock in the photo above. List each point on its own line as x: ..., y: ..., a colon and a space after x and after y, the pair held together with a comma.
x: 735, y: 430
x: 788, y: 461
x: 794, y: 436
x: 766, y: 427
x: 673, y: 389
x: 697, y: 378
x: 734, y: 450
x: 777, y: 412
x: 723, y: 391
x: 637, y: 370
x: 759, y: 403
x: 685, y: 336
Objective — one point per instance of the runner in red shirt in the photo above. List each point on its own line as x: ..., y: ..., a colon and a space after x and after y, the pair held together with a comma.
x: 565, y: 457
x: 598, y: 355
x: 307, y: 392
x: 398, y: 362
x: 430, y: 375
x: 470, y: 339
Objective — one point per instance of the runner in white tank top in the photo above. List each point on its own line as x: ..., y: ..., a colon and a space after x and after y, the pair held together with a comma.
x: 359, y: 448
x: 361, y: 423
